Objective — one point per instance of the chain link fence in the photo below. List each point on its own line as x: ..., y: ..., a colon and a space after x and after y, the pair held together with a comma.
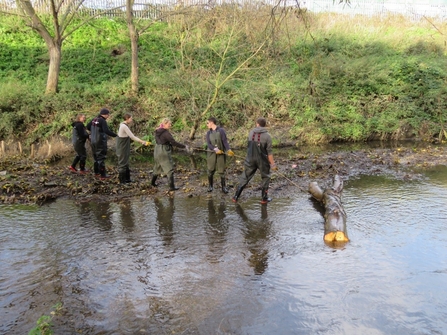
x: 413, y: 9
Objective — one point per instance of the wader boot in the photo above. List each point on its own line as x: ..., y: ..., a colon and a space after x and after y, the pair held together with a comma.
x: 82, y: 168
x: 103, y: 173
x: 210, y: 184
x: 171, y: 184
x: 265, y: 198
x: 238, y: 193
x: 122, y: 177
x: 96, y: 169
x: 224, y: 187
x: 154, y: 179
x: 75, y: 161
x: 127, y: 176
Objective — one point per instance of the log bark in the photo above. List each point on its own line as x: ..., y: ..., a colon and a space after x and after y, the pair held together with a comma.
x: 335, y: 217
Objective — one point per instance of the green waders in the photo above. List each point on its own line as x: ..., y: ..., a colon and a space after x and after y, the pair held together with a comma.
x: 123, y: 154
x: 256, y: 159
x: 164, y: 164
x: 216, y: 163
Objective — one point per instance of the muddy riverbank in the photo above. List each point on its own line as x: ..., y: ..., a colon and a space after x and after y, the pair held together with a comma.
x: 27, y: 181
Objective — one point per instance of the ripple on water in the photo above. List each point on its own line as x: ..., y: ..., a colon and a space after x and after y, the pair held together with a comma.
x: 206, y: 265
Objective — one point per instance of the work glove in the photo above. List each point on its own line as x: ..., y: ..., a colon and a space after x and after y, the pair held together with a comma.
x: 230, y: 153
x: 147, y: 143
x: 274, y: 167
x: 218, y: 151
x: 188, y: 149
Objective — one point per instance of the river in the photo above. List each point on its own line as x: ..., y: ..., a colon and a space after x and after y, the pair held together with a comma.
x: 204, y: 265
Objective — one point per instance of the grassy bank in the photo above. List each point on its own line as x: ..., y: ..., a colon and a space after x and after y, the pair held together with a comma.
x: 323, y: 78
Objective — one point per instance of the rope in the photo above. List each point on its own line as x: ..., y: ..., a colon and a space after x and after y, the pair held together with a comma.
x: 290, y: 181
x: 206, y: 150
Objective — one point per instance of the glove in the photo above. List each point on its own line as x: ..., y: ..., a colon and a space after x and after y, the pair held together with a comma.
x: 218, y: 151
x: 230, y: 153
x: 274, y: 167
x: 147, y: 143
x: 188, y: 149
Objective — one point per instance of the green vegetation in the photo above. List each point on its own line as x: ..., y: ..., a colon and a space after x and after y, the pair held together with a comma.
x: 323, y: 77
x: 44, y: 323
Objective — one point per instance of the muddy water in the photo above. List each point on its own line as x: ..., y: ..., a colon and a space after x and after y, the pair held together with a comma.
x: 207, y: 266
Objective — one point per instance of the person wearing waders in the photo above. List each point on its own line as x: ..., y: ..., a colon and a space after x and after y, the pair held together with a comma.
x: 123, y: 148
x: 79, y: 136
x: 259, y: 156
x: 163, y: 153
x: 218, y: 148
x: 98, y: 140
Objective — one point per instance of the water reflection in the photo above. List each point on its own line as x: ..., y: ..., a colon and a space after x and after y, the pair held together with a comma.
x: 256, y: 234
x: 122, y: 213
x: 99, y: 211
x: 233, y: 269
x: 317, y: 205
x: 216, y: 230
x: 165, y: 213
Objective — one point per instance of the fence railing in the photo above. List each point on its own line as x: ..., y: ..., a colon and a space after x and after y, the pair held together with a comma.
x: 414, y: 9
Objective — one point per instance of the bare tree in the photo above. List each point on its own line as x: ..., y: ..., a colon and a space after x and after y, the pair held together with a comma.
x: 137, y: 27
x: 62, y: 13
x: 134, y: 36
x: 235, y: 36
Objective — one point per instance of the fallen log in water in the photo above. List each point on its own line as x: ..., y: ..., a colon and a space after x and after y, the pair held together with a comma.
x: 334, y: 214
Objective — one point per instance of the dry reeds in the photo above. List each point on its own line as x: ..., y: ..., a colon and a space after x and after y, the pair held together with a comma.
x: 49, y: 149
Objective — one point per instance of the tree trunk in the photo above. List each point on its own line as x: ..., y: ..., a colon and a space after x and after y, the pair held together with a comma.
x: 54, y: 43
x: 195, y: 126
x: 55, y: 51
x: 335, y: 232
x: 134, y: 46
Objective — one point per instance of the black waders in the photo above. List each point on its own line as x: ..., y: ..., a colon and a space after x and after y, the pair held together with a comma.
x: 103, y: 173
x: 96, y: 168
x: 265, y: 198
x: 171, y: 183
x: 154, y: 179
x: 127, y: 176
x: 210, y: 184
x: 82, y: 166
x: 122, y: 177
x: 238, y: 193
x: 75, y: 162
x: 224, y: 187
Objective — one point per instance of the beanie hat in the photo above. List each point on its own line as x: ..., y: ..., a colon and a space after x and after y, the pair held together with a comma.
x: 104, y: 111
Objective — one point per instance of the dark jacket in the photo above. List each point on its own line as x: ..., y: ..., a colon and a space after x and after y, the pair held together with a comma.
x: 101, y: 123
x: 80, y: 130
x: 163, y: 136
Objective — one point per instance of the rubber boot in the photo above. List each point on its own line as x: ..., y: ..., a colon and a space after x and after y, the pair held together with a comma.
x: 210, y: 184
x: 103, y: 173
x: 171, y: 184
x: 154, y: 179
x: 96, y: 169
x: 224, y: 187
x: 75, y: 161
x: 238, y: 193
x: 82, y: 168
x: 122, y: 177
x: 127, y: 176
x: 265, y: 199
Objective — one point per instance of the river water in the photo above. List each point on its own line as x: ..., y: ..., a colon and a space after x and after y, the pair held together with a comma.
x: 204, y: 265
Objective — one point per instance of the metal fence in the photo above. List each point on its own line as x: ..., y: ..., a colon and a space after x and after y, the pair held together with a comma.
x: 413, y: 9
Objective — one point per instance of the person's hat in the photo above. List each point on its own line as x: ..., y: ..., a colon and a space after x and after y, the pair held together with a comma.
x: 104, y: 111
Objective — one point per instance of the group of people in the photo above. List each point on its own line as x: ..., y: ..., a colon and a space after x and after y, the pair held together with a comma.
x: 259, y: 152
